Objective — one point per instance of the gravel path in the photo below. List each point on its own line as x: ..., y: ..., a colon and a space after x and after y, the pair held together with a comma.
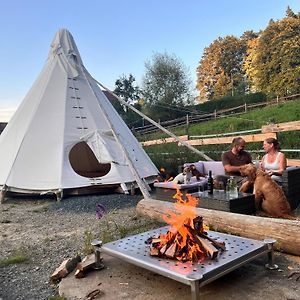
x: 47, y: 232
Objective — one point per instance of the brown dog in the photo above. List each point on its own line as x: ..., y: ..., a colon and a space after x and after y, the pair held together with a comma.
x: 268, y: 195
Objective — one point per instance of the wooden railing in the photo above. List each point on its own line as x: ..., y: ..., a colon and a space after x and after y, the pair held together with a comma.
x: 268, y: 131
x: 191, y: 119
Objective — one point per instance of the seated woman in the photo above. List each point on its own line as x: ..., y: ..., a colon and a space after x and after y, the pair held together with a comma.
x: 274, y: 161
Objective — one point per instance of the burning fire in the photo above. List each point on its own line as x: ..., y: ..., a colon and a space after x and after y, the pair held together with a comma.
x: 186, y: 240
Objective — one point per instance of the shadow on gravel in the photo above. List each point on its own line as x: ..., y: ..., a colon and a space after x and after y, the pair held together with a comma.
x: 80, y: 203
x: 89, y: 203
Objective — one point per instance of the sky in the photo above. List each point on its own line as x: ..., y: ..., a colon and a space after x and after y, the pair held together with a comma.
x: 117, y: 38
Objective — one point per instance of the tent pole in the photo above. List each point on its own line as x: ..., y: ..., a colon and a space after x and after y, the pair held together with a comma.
x: 143, y: 185
x: 156, y: 124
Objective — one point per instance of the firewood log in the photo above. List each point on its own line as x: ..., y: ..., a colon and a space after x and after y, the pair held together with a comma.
x: 87, y: 263
x: 154, y: 251
x: 66, y: 267
x: 208, y: 247
x: 170, y: 252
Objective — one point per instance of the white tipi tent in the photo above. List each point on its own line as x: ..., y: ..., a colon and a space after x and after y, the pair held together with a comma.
x: 66, y: 134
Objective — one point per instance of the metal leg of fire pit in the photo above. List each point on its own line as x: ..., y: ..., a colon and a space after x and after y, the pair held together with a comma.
x: 270, y: 264
x: 97, y: 250
x: 195, y: 290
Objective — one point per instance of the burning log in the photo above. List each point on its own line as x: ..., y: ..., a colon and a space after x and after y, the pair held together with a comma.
x: 208, y: 247
x: 154, y: 251
x: 170, y: 252
x: 206, y: 243
x: 218, y: 245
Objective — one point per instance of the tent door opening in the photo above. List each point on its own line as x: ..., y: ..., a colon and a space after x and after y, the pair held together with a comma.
x: 85, y: 163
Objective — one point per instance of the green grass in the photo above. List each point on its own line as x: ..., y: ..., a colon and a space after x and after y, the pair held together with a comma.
x: 284, y: 112
x: 111, y: 230
x: 17, y: 257
x: 88, y: 237
x: 171, y: 155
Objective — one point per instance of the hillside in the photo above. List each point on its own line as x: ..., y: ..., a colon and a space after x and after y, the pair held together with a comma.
x: 171, y: 155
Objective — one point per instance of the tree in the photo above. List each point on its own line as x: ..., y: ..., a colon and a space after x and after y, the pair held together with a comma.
x: 166, y: 87
x: 209, y: 70
x: 249, y: 65
x: 220, y: 71
x: 276, y: 58
x: 129, y: 92
x: 289, y: 13
x: 126, y: 89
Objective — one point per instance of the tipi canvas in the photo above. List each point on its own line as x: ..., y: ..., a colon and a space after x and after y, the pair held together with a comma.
x: 66, y: 134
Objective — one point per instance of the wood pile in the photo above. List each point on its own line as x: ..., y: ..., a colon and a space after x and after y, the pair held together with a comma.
x: 189, y: 243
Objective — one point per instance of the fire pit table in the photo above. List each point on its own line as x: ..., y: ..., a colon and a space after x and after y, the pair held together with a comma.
x: 239, y: 251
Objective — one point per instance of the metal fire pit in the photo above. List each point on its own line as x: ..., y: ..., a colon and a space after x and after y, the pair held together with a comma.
x: 239, y: 251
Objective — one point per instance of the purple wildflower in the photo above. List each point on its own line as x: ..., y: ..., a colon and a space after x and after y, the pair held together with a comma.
x: 100, y: 210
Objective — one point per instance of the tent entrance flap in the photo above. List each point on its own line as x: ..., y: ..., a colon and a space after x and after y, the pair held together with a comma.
x: 85, y: 163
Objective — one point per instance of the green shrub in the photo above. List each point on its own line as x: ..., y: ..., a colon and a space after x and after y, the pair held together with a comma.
x: 17, y: 257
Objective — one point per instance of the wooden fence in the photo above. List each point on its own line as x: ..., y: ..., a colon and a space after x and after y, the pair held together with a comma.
x: 191, y: 119
x: 267, y: 131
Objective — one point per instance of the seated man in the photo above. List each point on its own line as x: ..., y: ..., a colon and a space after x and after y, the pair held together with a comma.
x: 233, y: 159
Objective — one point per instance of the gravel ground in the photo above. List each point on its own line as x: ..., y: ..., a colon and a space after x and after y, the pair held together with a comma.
x: 47, y: 232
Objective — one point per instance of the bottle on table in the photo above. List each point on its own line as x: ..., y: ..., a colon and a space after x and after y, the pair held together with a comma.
x: 210, y: 183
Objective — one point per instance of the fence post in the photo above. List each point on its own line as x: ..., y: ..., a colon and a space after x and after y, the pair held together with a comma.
x: 187, y: 124
x: 245, y: 107
x: 215, y: 113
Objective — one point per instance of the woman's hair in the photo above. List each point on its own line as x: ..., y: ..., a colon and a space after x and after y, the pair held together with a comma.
x: 274, y: 142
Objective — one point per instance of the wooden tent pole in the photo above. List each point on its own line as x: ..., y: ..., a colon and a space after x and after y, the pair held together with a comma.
x: 156, y: 124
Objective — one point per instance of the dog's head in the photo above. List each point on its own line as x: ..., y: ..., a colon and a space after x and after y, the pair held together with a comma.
x: 186, y: 170
x: 248, y: 170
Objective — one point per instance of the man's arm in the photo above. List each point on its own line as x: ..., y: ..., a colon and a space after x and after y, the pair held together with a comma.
x: 227, y: 164
x: 229, y: 168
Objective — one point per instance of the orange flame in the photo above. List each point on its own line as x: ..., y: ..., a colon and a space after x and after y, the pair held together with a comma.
x: 180, y: 220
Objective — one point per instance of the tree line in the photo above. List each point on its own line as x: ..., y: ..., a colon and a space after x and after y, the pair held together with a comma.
x: 267, y: 61
x: 263, y: 65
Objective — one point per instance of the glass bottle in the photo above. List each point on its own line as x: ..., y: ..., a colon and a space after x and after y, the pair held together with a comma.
x: 210, y: 183
x: 232, y: 187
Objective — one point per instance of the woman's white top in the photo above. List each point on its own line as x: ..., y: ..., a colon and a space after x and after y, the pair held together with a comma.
x: 274, y: 166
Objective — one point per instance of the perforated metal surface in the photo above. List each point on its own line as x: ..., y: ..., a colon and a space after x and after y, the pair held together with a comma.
x: 238, y: 252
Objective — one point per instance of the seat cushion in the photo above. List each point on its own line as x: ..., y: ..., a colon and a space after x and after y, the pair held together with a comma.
x: 216, y: 167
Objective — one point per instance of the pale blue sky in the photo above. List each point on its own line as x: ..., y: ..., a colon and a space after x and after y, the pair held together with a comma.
x: 117, y: 37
